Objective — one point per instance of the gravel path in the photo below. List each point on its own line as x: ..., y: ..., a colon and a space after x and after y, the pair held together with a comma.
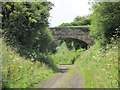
x: 68, y: 77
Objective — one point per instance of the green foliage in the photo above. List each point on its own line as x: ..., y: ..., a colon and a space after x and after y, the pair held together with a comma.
x: 105, y: 21
x: 78, y: 21
x: 65, y: 56
x: 99, y: 67
x: 52, y: 47
x: 25, y: 26
x: 47, y: 59
x: 78, y: 18
x: 18, y: 72
x: 74, y: 43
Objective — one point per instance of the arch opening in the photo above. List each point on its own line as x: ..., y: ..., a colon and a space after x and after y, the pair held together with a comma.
x: 74, y: 43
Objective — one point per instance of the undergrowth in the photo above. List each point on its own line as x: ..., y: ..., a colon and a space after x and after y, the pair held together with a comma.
x: 65, y: 56
x: 99, y: 67
x: 18, y: 72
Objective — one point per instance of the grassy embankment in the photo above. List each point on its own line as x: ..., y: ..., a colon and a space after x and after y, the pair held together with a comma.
x: 99, y: 67
x: 18, y: 72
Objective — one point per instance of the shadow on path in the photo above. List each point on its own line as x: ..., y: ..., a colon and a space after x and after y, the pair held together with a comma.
x: 68, y: 76
x: 63, y: 68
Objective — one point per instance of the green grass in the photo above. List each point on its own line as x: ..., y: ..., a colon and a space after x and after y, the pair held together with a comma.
x: 99, y: 67
x: 18, y: 72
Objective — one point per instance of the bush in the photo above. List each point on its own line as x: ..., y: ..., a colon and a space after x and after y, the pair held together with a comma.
x: 79, y: 21
x: 99, y: 67
x: 64, y: 55
x: 105, y: 21
x: 25, y: 26
x: 47, y: 59
x: 18, y: 72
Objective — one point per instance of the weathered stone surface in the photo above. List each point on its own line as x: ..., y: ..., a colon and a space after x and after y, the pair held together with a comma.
x: 76, y: 33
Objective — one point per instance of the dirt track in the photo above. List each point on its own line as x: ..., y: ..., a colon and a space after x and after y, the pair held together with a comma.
x: 67, y: 77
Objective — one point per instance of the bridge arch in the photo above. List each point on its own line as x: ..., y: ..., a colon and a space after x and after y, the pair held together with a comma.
x: 76, y: 43
x: 78, y: 33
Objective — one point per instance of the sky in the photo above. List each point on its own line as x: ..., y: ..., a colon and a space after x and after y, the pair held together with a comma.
x: 65, y: 11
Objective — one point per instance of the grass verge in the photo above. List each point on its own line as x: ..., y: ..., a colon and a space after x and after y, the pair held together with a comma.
x: 99, y: 67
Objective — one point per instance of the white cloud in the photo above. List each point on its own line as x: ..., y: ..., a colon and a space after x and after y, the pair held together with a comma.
x: 67, y: 10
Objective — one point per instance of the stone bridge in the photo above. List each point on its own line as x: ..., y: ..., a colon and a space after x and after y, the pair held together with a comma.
x: 72, y: 32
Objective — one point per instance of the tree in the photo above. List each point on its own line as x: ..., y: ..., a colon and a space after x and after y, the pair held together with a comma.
x: 25, y: 26
x: 78, y: 18
x: 78, y: 21
x: 105, y: 19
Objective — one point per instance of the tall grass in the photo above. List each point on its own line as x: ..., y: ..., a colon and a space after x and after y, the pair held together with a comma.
x: 99, y: 67
x: 18, y: 72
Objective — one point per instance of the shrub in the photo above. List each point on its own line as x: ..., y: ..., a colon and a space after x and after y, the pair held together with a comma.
x: 25, y: 26
x: 18, y: 72
x: 99, y: 67
x: 105, y: 21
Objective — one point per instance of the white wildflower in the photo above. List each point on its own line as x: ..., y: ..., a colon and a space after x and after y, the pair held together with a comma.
x: 103, y: 69
x: 20, y: 66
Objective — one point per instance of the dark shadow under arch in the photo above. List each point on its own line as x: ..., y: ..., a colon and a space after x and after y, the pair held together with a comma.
x: 77, y: 44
